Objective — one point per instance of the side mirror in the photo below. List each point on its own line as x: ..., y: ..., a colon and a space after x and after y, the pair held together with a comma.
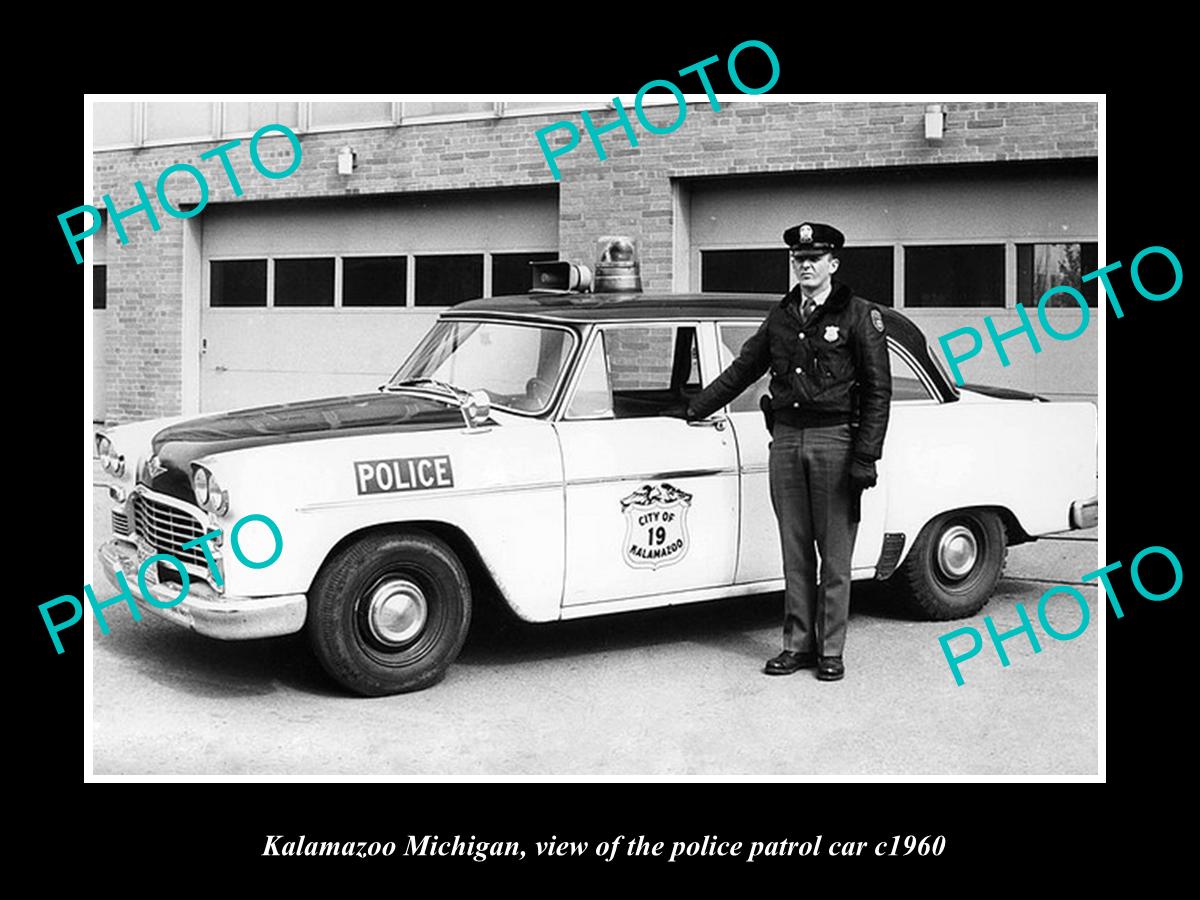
x: 476, y: 408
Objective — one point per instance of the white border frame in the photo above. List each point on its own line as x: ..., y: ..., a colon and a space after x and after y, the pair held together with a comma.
x: 1024, y: 777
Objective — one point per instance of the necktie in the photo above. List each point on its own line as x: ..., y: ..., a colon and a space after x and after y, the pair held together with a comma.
x: 809, y: 305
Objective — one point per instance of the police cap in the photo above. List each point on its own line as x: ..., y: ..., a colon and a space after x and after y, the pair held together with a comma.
x: 814, y: 237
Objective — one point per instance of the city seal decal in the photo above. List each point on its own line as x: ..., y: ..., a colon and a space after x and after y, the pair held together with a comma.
x: 656, y: 531
x: 394, y: 476
x: 831, y: 333
x: 877, y: 320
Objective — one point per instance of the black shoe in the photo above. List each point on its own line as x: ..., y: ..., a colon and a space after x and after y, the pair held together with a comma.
x: 790, y: 661
x: 831, y: 668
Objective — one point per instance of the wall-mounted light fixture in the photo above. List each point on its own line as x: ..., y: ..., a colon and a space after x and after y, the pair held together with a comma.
x: 347, y: 160
x: 935, y: 122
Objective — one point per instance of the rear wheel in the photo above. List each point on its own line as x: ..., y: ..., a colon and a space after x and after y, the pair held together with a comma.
x: 954, y: 564
x: 389, y: 613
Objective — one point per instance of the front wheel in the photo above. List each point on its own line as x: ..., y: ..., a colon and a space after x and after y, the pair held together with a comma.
x: 389, y: 613
x: 954, y: 564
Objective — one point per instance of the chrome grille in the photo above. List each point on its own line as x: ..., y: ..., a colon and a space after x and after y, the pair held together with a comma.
x: 165, y: 528
x: 120, y: 522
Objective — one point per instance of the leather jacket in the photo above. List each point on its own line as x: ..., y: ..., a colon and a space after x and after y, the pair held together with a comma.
x: 827, y: 370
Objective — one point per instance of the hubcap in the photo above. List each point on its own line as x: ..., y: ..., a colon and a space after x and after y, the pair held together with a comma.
x: 397, y: 611
x: 957, y: 551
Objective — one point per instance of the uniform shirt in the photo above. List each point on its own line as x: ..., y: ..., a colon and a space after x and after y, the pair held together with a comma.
x: 830, y: 369
x: 818, y: 299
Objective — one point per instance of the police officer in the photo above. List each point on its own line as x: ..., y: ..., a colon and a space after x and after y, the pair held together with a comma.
x: 831, y: 389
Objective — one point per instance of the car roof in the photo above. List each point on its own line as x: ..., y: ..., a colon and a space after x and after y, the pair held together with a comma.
x: 605, y: 307
x: 579, y: 309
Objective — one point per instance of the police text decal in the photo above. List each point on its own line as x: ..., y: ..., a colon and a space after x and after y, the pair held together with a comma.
x: 390, y: 476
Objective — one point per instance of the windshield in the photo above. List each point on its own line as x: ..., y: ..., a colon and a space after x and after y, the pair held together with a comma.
x: 519, y: 366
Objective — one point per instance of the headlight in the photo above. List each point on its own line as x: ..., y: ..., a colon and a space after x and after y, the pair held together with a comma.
x: 110, y: 460
x: 218, y: 499
x: 209, y: 493
x: 200, y: 486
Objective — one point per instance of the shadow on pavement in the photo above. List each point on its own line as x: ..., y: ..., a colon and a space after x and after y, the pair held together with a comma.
x: 204, y: 667
x: 498, y: 638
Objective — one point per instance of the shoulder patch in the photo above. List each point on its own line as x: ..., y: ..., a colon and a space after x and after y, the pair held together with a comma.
x: 877, y: 320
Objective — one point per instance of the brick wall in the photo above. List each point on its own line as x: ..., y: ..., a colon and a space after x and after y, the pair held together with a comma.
x: 629, y: 193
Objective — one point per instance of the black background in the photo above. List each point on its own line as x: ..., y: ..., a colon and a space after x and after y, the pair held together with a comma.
x: 996, y: 832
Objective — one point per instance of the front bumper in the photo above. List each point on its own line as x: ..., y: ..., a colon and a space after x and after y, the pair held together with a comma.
x: 1085, y: 513
x: 204, y: 610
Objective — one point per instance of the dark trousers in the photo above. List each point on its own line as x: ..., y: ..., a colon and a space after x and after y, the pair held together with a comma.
x: 810, y: 490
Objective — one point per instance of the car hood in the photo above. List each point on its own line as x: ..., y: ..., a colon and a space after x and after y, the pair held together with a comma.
x: 180, y: 443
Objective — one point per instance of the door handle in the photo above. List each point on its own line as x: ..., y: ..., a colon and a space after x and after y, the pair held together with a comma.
x: 717, y: 423
x: 221, y: 368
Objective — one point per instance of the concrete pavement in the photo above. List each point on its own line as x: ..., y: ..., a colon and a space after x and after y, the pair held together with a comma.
x: 661, y: 693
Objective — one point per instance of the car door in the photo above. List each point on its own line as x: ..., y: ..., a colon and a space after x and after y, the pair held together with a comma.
x: 651, y: 501
x: 760, y: 558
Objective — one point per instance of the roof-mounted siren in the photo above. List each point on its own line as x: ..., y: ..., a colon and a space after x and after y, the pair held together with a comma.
x: 617, y: 265
x: 560, y: 277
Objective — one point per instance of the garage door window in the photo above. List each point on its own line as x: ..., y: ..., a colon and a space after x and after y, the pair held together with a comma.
x: 869, y: 271
x: 420, y: 110
x: 954, y: 275
x: 246, y: 118
x: 238, y: 282
x: 446, y: 280
x: 757, y: 271
x: 174, y: 122
x: 1043, y: 266
x: 374, y: 280
x: 304, y: 282
x: 511, y: 273
x: 333, y: 115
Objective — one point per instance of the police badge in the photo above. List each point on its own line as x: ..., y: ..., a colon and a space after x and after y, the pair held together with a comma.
x: 877, y: 320
x: 831, y: 333
x: 806, y: 234
x: 655, y: 526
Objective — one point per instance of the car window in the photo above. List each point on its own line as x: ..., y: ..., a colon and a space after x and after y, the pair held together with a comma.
x: 906, y: 385
x: 593, y: 392
x: 732, y: 336
x: 517, y: 364
x: 633, y: 371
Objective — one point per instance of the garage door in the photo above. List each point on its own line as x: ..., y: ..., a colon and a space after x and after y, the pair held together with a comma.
x: 314, y: 298
x: 946, y: 245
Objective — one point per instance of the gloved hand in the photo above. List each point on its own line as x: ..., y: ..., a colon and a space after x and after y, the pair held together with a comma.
x: 862, y: 473
x: 678, y: 410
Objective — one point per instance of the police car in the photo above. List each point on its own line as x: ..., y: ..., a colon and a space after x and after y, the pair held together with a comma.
x: 520, y: 452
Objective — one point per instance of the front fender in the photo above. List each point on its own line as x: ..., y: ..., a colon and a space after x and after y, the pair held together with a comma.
x: 504, y: 491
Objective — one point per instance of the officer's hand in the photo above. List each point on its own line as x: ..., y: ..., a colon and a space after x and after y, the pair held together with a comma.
x: 677, y: 410
x: 862, y: 473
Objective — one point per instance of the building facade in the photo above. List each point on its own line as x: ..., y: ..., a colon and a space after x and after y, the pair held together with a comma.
x: 321, y: 283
